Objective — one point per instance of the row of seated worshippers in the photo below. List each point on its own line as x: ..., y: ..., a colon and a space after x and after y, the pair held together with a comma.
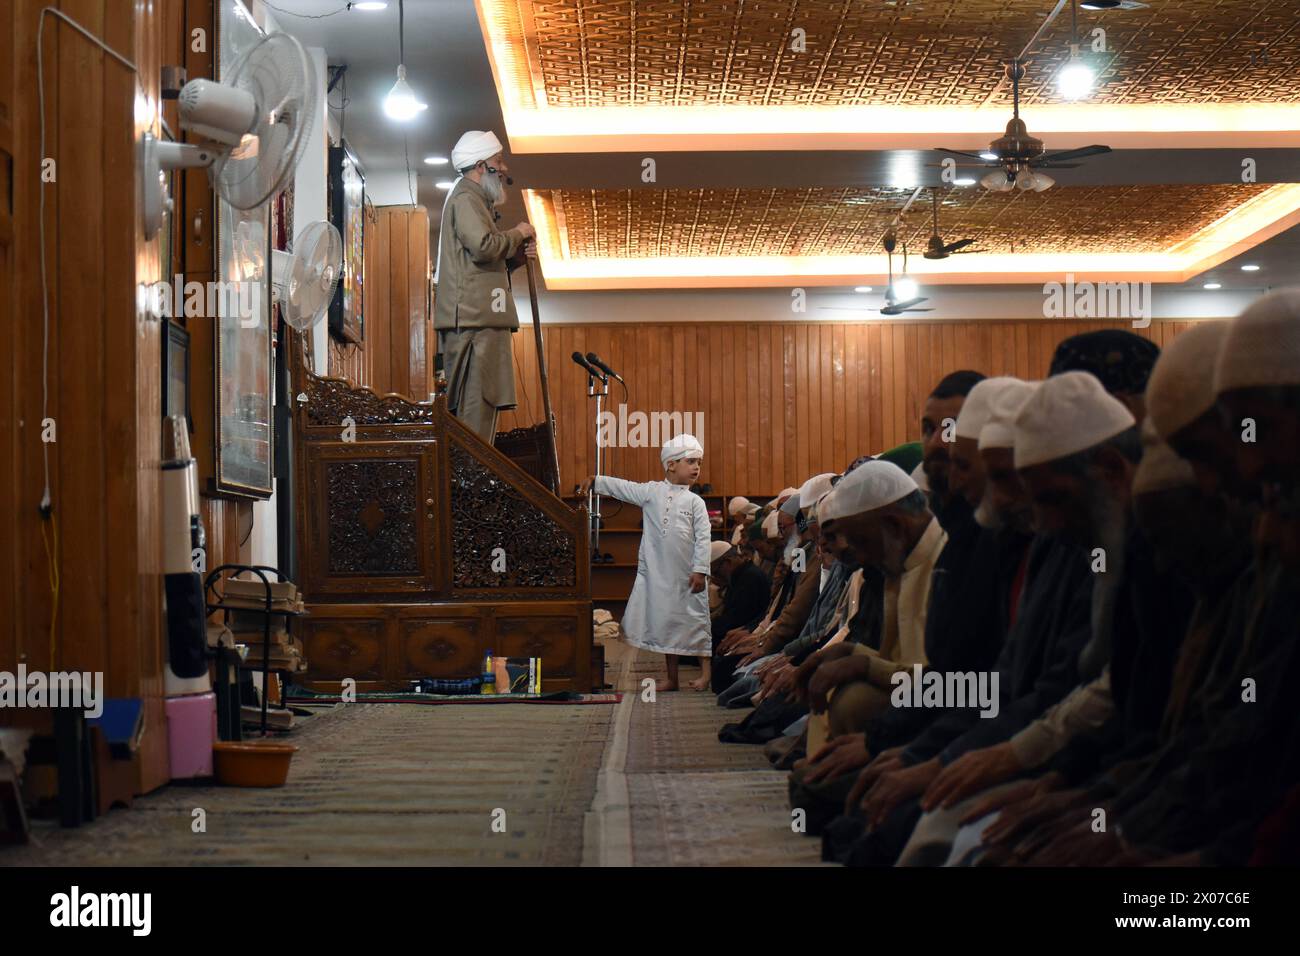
x: 1074, y: 642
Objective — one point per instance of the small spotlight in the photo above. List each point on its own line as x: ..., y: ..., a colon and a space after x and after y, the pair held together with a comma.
x: 862, y: 288
x: 1250, y: 268
x: 1212, y: 286
x: 444, y: 184
x: 964, y: 181
x: 436, y: 160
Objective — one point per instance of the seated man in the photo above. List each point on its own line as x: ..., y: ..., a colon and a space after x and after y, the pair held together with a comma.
x: 745, y: 589
x: 885, y: 522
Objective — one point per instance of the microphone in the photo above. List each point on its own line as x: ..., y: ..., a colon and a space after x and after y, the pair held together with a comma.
x: 594, y: 359
x: 577, y: 357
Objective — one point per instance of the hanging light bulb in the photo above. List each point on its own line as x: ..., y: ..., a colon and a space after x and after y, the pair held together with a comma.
x: 905, y: 288
x: 400, y: 104
x: 1075, y: 79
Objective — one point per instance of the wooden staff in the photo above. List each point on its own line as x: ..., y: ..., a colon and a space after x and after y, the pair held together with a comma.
x: 541, y: 369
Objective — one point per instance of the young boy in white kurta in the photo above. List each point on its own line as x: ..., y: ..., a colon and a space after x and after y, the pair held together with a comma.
x: 668, y: 612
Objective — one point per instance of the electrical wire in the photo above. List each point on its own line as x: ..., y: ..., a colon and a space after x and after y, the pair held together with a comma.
x: 47, y: 503
x: 308, y: 16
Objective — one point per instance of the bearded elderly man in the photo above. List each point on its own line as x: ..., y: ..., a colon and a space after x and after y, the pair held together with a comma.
x: 474, y: 313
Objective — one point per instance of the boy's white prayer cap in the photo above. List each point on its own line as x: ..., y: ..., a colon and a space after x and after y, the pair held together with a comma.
x: 679, y: 447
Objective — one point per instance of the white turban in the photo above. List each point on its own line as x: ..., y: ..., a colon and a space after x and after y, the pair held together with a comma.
x: 474, y: 147
x: 814, y: 489
x: 1181, y: 387
x: 770, y: 527
x: 1161, y: 468
x: 1262, y: 345
x: 718, y: 549
x: 873, y: 484
x: 999, y: 430
x: 978, y: 406
x: 679, y: 447
x: 1067, y: 414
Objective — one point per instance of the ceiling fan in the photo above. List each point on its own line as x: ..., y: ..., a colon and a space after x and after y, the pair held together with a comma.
x: 1016, y: 157
x: 936, y: 248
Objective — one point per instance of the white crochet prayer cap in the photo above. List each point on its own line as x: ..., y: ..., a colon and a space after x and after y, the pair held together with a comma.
x: 1262, y: 345
x: 814, y: 489
x: 737, y: 505
x: 786, y: 493
x: 770, y: 527
x: 1068, y: 413
x: 999, y: 430
x: 717, y: 549
x: 1161, y: 468
x: 1181, y: 387
x: 978, y: 406
x: 679, y: 447
x: 873, y: 484
x: 474, y: 147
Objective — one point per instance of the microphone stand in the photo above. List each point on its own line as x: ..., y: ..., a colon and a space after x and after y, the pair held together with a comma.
x: 597, y: 388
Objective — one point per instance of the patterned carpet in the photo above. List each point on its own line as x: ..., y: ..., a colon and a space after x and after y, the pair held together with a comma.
x: 399, y: 785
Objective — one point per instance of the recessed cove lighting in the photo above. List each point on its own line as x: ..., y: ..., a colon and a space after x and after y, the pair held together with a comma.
x: 371, y: 5
x: 1250, y: 267
x: 862, y: 288
x: 964, y: 181
x: 1212, y: 286
x: 444, y: 184
x: 435, y: 160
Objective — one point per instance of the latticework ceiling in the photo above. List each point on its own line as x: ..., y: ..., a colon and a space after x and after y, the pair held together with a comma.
x: 649, y: 223
x: 617, y: 53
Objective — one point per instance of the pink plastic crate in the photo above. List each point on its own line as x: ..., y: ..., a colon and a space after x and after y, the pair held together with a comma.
x: 191, y: 731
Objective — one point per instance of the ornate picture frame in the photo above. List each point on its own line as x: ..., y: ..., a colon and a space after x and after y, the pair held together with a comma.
x: 347, y: 211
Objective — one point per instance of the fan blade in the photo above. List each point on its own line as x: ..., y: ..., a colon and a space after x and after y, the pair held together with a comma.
x: 959, y: 244
x: 965, y: 165
x: 1079, y: 153
x: 931, y: 254
x: 1038, y: 165
x: 903, y: 306
x: 962, y: 252
x: 958, y: 152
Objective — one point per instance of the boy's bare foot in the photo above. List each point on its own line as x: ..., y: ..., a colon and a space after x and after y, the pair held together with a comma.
x: 700, y: 683
x: 662, y: 685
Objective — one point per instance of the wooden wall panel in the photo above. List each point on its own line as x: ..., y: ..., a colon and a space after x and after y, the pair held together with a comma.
x: 104, y: 540
x: 781, y: 401
x: 397, y: 355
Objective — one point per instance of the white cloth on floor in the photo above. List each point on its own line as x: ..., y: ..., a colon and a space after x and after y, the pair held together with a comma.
x: 662, y: 614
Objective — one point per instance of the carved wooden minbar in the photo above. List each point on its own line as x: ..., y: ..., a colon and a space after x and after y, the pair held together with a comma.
x: 398, y: 534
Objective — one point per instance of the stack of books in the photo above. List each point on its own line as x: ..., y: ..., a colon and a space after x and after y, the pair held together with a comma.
x: 249, y: 628
x: 244, y: 593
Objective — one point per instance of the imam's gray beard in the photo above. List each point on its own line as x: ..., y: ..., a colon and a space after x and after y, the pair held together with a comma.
x: 986, y: 516
x: 491, y: 183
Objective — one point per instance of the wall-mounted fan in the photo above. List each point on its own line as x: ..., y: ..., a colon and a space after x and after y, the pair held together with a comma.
x: 304, y: 280
x: 1017, y: 157
x: 255, y: 124
x: 936, y: 248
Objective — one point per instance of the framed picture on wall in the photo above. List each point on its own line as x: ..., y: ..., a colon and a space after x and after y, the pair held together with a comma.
x: 176, y: 372
x: 242, y: 326
x: 347, y: 202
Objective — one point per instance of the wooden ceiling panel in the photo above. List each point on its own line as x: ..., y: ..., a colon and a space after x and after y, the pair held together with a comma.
x: 628, y: 53
x: 650, y: 223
